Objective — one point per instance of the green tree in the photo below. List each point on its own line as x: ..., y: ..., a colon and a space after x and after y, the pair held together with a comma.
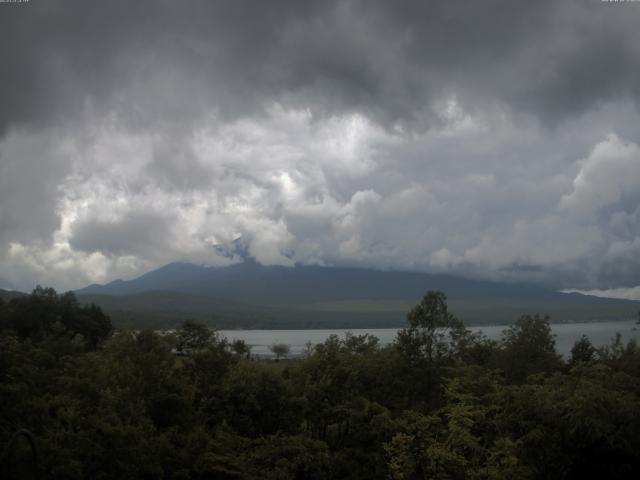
x: 241, y: 348
x: 256, y: 400
x: 361, y: 344
x: 280, y: 350
x: 528, y: 347
x: 192, y: 336
x: 431, y: 342
x: 433, y: 331
x: 45, y: 314
x: 287, y: 458
x: 582, y: 351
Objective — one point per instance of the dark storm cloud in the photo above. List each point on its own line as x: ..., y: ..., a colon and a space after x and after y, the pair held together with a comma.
x: 164, y: 59
x: 59, y: 54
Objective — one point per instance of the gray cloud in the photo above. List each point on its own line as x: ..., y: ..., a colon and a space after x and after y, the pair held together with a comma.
x: 137, y: 233
x: 155, y: 60
x: 488, y: 139
x: 31, y: 168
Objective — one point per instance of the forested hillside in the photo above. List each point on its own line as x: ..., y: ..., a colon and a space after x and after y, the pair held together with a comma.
x: 439, y: 403
x: 251, y: 295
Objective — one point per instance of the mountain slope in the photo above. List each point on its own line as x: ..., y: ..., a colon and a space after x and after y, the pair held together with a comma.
x: 162, y: 309
x: 7, y: 295
x: 252, y: 295
x: 250, y: 282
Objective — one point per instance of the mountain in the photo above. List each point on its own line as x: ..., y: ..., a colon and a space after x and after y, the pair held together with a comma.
x: 164, y: 309
x: 249, y: 294
x: 7, y: 295
x: 251, y: 282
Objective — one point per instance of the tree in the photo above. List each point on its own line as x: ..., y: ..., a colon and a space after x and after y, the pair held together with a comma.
x: 308, y: 349
x: 528, y: 347
x: 257, y: 400
x: 583, y: 351
x: 87, y: 320
x: 241, y: 348
x: 430, y: 323
x: 192, y: 336
x: 45, y: 314
x: 287, y: 458
x: 361, y: 344
x: 280, y: 350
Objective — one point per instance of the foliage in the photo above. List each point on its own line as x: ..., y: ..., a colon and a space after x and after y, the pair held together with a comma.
x: 582, y: 351
x: 528, y: 348
x: 280, y: 350
x: 439, y: 403
x: 241, y: 348
x: 45, y: 315
x: 433, y: 331
x: 193, y: 336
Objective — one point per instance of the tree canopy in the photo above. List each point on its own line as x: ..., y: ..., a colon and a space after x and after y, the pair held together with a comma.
x: 438, y: 403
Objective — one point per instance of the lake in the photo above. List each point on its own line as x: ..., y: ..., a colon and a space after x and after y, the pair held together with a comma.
x: 600, y: 333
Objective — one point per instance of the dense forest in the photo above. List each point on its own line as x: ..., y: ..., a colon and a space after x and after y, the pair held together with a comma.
x: 438, y: 403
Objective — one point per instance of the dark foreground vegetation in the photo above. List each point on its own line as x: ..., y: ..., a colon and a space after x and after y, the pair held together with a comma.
x: 440, y: 403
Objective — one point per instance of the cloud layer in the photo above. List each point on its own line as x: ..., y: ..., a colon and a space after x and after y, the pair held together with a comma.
x: 492, y: 139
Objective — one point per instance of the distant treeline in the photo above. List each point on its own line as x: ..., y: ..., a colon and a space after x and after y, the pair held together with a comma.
x: 439, y: 403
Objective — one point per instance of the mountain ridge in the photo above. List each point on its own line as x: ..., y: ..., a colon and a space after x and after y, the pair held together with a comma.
x: 250, y: 295
x: 253, y: 282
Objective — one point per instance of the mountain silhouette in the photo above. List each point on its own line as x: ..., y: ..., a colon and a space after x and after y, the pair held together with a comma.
x: 250, y: 294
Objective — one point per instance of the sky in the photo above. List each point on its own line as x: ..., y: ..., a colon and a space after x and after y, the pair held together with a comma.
x: 493, y: 139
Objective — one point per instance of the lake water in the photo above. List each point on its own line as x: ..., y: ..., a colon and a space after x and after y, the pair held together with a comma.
x: 600, y: 333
